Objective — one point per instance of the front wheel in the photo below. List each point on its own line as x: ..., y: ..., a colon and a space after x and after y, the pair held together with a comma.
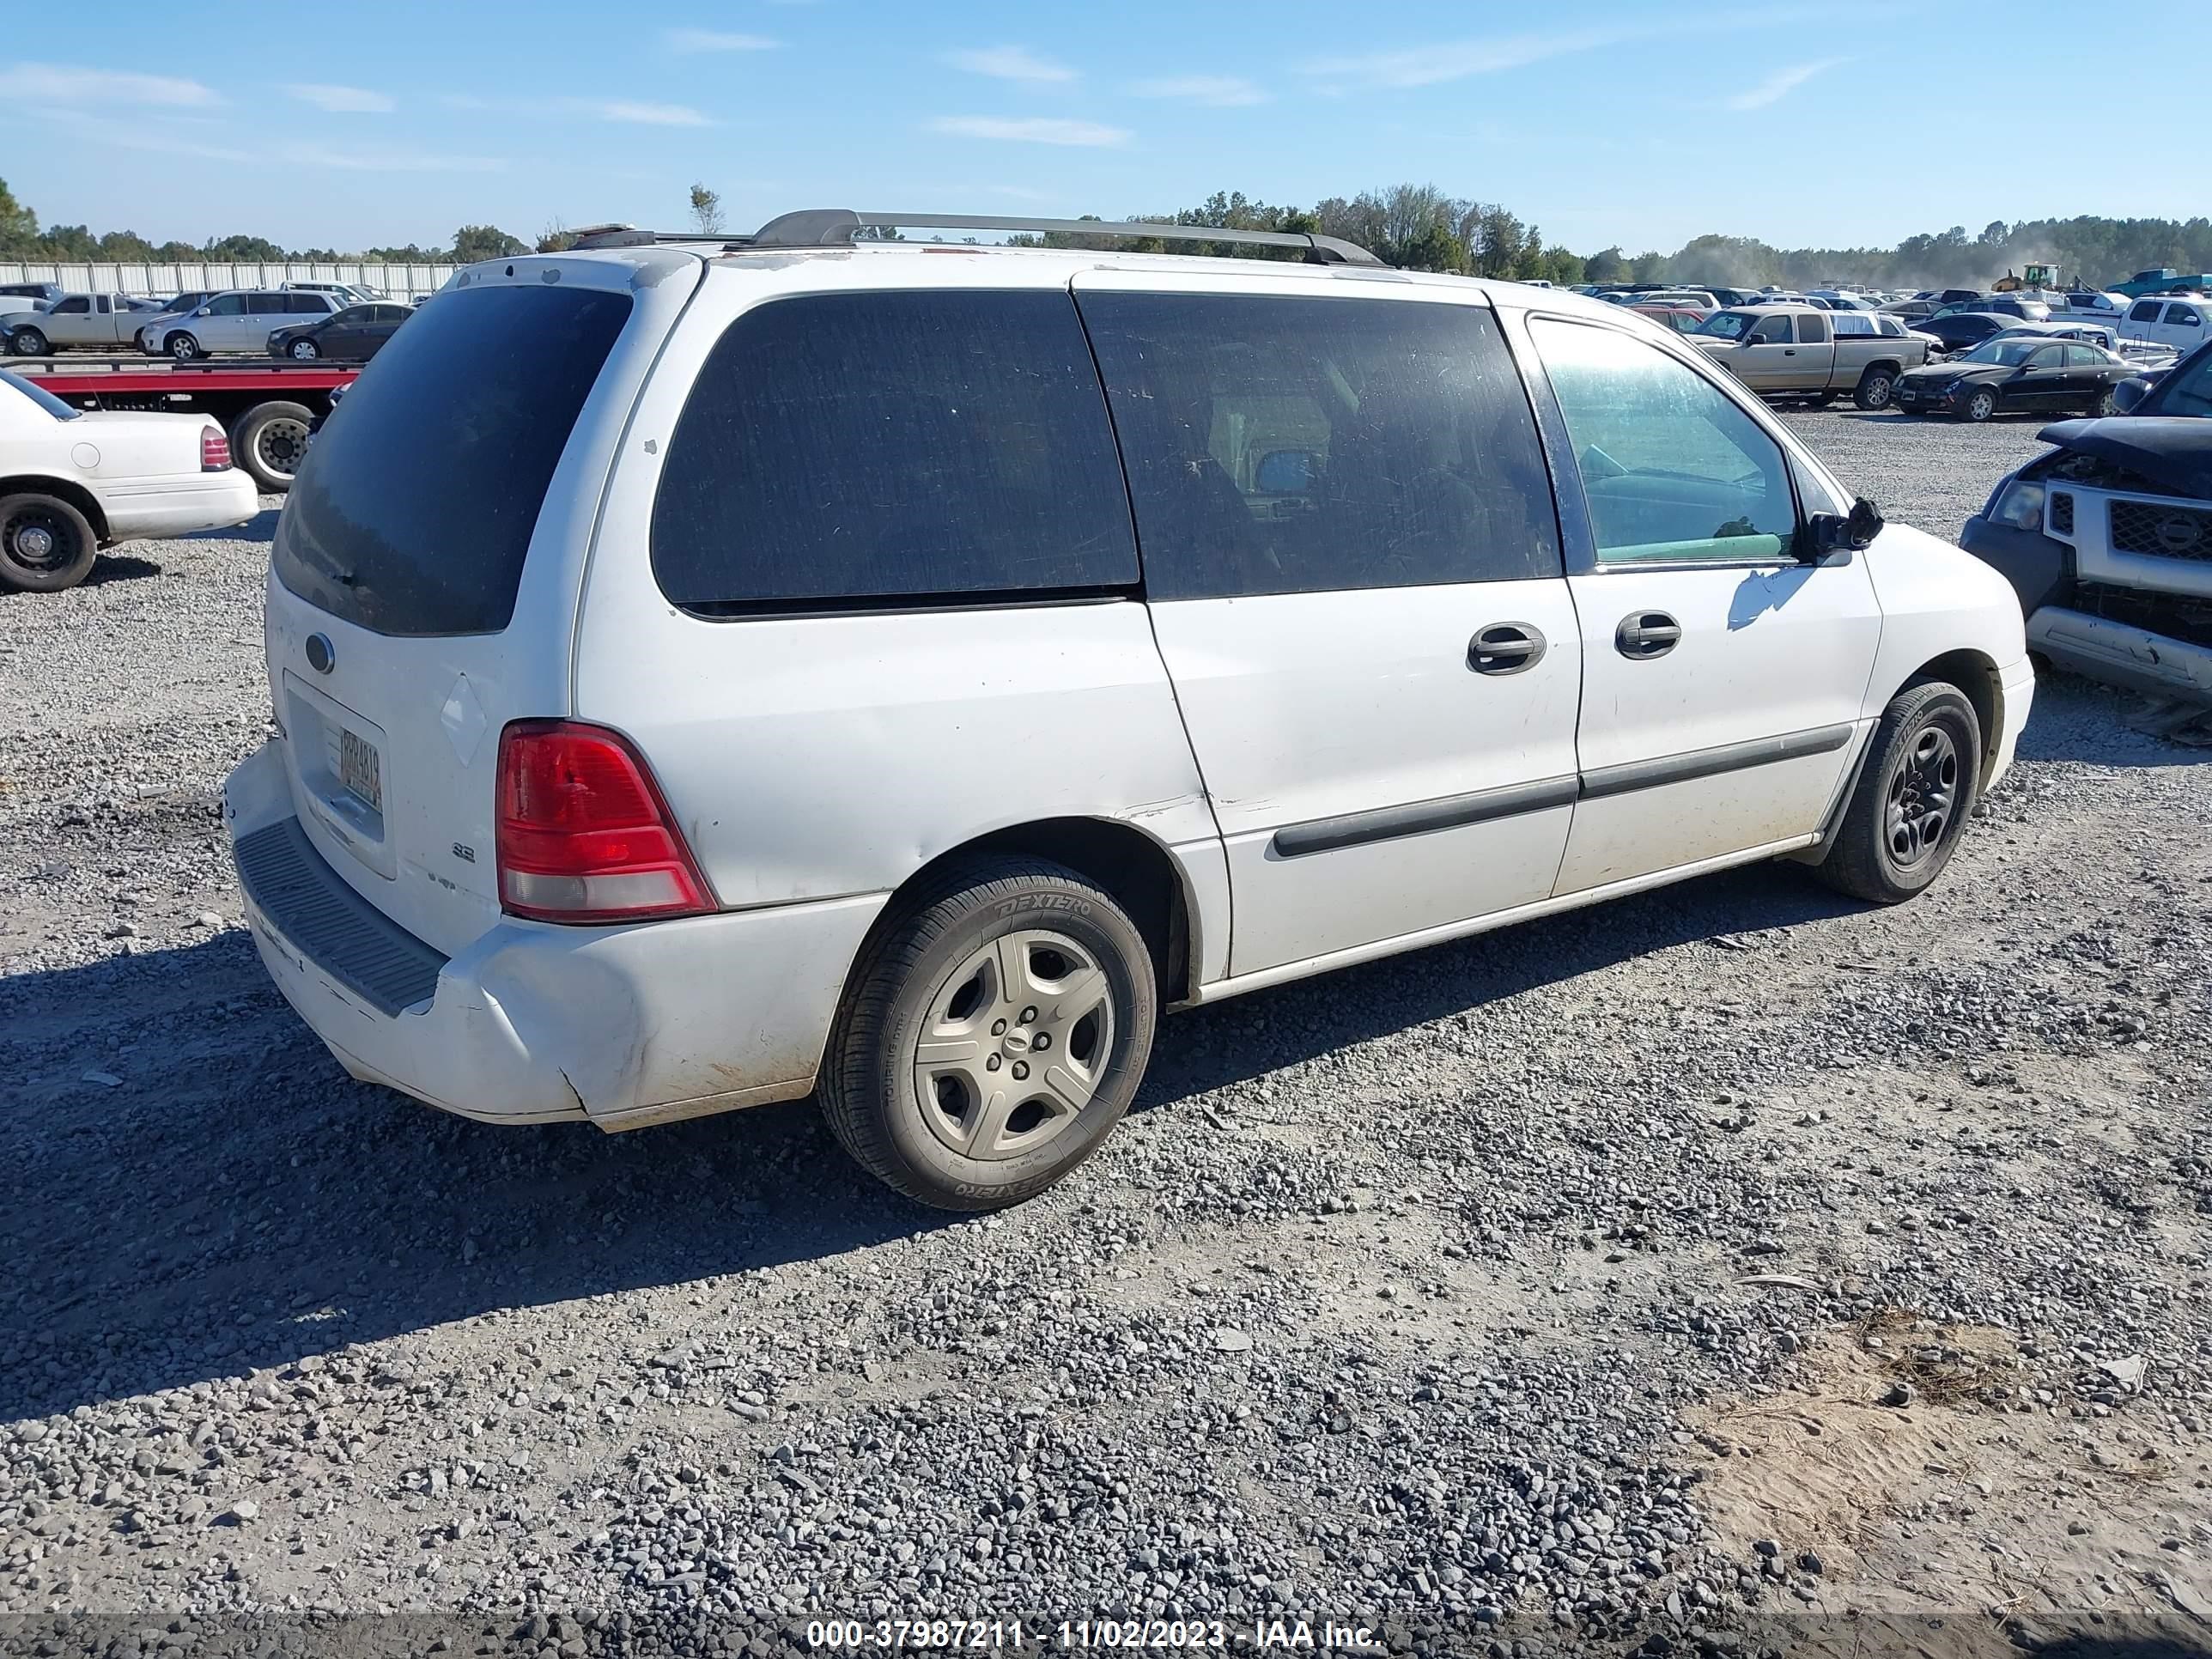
x: 992, y: 1035
x: 1876, y: 388
x: 45, y: 545
x: 305, y: 352
x: 1911, y: 803
x: 27, y: 342
x: 1980, y: 406
x: 182, y: 346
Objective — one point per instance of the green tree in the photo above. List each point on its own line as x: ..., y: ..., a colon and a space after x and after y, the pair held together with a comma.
x: 241, y: 248
x: 19, y: 225
x: 1606, y: 266
x: 475, y: 242
x: 706, y: 210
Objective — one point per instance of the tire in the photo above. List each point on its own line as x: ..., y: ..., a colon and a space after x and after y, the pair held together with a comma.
x: 270, y: 442
x: 1875, y: 389
x: 182, y: 346
x: 1981, y: 405
x: 27, y: 342
x: 2106, y: 406
x: 303, y: 351
x: 938, y: 966
x: 1913, y: 797
x: 45, y: 545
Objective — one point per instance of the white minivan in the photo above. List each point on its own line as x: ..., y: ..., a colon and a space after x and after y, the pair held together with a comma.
x: 708, y: 675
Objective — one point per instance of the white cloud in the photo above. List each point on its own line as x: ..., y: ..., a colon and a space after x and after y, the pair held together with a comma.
x: 716, y: 40
x: 71, y: 83
x: 341, y: 100
x: 1217, y: 91
x: 1010, y: 63
x: 395, y: 161
x: 604, y: 109
x: 1088, y: 135
x: 1453, y: 60
x: 1780, y: 84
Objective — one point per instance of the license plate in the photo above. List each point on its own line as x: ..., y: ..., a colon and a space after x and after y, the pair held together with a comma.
x: 360, y: 773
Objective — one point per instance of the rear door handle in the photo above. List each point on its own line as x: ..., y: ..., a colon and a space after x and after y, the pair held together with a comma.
x: 1506, y: 649
x: 1646, y: 633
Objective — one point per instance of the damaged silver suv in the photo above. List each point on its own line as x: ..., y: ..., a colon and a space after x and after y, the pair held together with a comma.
x: 2108, y: 539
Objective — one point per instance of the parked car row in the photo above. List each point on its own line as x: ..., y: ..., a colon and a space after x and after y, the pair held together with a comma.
x: 301, y: 321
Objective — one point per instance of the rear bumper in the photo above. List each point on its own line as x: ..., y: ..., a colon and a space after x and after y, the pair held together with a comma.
x: 214, y: 500
x: 2121, y: 655
x: 528, y: 1024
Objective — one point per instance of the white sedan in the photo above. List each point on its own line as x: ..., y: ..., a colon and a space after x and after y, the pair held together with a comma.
x: 72, y: 483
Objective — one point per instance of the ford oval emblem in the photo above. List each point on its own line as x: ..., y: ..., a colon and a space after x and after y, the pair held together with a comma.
x: 320, y: 657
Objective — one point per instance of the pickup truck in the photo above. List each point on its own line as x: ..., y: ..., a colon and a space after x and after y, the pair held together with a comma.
x: 102, y: 321
x: 1805, y: 352
x: 2165, y: 280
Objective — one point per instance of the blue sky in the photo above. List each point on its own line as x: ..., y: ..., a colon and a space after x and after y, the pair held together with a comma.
x: 1635, y: 123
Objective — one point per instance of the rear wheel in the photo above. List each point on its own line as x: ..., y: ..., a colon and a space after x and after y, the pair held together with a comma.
x: 993, y: 1033
x: 27, y: 342
x: 182, y: 346
x: 2107, y: 404
x: 45, y: 545
x: 1876, y: 388
x: 270, y: 442
x: 1911, y: 803
x: 1981, y: 403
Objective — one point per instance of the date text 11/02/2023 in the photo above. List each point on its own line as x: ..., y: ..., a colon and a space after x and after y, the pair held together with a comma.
x: 1080, y: 1635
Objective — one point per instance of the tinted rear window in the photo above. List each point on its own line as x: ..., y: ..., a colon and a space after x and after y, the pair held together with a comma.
x: 416, y: 504
x: 853, y: 447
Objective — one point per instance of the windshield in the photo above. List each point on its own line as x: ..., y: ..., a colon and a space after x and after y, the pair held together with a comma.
x: 2008, y: 353
x: 2186, y: 391
x: 1727, y: 325
x: 39, y: 395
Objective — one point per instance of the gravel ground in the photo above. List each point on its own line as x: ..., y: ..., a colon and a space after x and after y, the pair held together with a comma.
x: 1732, y: 1264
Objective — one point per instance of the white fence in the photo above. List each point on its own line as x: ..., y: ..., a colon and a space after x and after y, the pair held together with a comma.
x: 79, y: 277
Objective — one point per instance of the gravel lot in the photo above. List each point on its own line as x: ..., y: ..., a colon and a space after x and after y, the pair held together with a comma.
x: 1730, y: 1262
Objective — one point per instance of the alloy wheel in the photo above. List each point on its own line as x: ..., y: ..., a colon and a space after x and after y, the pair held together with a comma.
x: 1015, y: 1042
x: 1923, y: 798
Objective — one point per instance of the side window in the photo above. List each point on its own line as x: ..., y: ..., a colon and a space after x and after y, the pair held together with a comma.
x: 229, y: 305
x: 1772, y: 330
x: 1673, y: 470
x: 2049, y: 356
x: 1296, y: 443
x: 267, y: 305
x: 1812, y: 328
x: 852, y: 446
x: 2185, y: 315
x: 2144, y: 311
x: 78, y: 305
x: 2081, y: 357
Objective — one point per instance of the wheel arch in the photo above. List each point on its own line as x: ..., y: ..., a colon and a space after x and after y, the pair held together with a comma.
x: 1892, y: 367
x: 66, y: 489
x: 1976, y: 674
x: 1145, y: 879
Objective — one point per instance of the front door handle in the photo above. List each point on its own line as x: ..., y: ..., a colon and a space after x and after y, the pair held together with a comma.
x: 1646, y: 633
x: 1506, y: 649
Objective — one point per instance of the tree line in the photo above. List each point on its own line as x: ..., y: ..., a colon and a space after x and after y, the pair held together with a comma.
x: 1414, y: 226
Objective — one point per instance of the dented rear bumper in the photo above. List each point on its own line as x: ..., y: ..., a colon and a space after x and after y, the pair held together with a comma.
x: 533, y: 1024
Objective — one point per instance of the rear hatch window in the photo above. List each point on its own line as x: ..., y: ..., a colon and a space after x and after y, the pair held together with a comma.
x: 414, y: 509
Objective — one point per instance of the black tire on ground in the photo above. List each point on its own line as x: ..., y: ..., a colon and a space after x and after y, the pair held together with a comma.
x: 45, y: 545
x: 1912, y: 799
x: 1874, y: 389
x: 27, y: 342
x: 1980, y: 406
x: 998, y: 1125
x: 182, y: 345
x: 270, y: 442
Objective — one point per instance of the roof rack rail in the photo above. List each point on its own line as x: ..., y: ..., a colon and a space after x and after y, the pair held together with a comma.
x: 840, y: 227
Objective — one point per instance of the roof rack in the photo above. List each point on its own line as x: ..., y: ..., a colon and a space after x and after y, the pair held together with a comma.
x: 840, y: 227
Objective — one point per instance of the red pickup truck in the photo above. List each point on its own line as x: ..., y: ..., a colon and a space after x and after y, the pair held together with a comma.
x: 266, y: 408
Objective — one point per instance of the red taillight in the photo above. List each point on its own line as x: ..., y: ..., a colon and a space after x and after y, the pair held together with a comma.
x: 215, y: 451
x: 584, y: 834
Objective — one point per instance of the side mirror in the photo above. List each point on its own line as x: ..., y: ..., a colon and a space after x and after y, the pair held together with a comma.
x: 2128, y: 393
x: 1834, y: 532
